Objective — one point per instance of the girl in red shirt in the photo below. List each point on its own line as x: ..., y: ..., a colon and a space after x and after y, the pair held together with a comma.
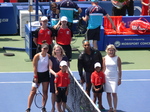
x: 97, y: 80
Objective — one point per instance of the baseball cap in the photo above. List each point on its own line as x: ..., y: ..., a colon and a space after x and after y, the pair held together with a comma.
x: 44, y: 45
x: 63, y: 63
x: 94, y: 0
x: 43, y: 18
x: 63, y: 18
x: 97, y: 64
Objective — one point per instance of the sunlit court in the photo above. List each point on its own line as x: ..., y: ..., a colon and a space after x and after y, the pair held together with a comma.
x: 133, y: 93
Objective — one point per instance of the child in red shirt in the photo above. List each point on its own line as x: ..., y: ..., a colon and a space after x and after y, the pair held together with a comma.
x: 61, y: 86
x: 97, y: 80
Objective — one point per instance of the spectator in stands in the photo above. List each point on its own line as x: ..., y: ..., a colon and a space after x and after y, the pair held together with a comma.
x: 53, y: 14
x: 145, y: 7
x: 41, y: 75
x: 119, y: 9
x: 93, y: 17
x: 86, y: 61
x: 67, y: 8
x: 62, y: 82
x: 58, y: 55
x: 63, y: 37
x: 44, y: 33
x: 97, y: 80
x: 130, y: 7
x: 113, y: 74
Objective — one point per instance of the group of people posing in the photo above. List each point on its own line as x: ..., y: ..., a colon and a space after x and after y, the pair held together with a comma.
x: 50, y: 70
x: 50, y: 63
x: 102, y: 74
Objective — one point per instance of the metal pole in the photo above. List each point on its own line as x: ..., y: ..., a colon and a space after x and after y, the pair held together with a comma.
x: 36, y: 9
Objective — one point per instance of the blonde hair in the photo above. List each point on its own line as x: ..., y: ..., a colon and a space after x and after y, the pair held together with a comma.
x: 62, y: 50
x: 110, y: 46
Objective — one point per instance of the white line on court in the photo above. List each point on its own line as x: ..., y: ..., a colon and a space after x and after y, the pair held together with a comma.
x: 135, y: 79
x: 77, y: 71
x: 125, y: 80
x: 17, y: 82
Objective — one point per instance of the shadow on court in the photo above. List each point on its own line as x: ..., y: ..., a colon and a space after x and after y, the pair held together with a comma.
x: 127, y: 63
x: 133, y: 93
x: 117, y: 111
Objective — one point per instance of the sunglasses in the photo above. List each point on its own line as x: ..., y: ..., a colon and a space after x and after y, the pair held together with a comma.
x: 45, y: 48
x: 45, y: 21
x: 87, y: 45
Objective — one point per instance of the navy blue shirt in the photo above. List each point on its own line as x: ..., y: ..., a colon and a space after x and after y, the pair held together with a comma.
x: 95, y: 9
x: 56, y: 63
x: 95, y: 13
x: 68, y: 4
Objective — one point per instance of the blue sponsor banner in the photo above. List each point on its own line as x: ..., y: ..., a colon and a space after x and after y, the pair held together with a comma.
x: 129, y: 41
x: 7, y: 19
x: 129, y: 19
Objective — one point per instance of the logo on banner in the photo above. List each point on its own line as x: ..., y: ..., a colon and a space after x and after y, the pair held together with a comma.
x: 117, y: 43
x: 3, y: 20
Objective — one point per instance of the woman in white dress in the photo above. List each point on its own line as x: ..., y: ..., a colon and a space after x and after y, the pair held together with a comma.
x: 113, y: 73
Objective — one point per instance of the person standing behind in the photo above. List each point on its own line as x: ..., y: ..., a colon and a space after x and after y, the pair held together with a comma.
x: 58, y: 55
x: 67, y: 8
x: 41, y: 75
x: 120, y: 8
x: 61, y: 86
x: 64, y: 37
x: 130, y: 7
x: 93, y: 17
x: 44, y: 33
x: 145, y: 7
x: 113, y: 74
x: 97, y: 80
x: 53, y: 14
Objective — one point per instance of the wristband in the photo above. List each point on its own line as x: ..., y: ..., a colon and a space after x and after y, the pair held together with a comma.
x: 35, y: 76
x: 119, y: 78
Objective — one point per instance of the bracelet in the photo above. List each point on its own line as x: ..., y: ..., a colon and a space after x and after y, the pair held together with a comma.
x: 35, y: 76
x: 119, y: 78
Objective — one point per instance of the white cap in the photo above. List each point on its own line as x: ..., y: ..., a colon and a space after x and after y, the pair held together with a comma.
x: 63, y: 63
x: 63, y: 18
x: 97, y: 64
x: 44, y: 18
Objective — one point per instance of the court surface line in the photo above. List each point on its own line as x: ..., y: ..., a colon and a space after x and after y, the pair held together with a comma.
x: 77, y: 71
x: 125, y: 80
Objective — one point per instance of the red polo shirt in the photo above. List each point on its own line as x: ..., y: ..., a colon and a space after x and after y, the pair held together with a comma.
x: 98, y: 78
x: 63, y: 36
x: 62, y: 80
x: 44, y: 34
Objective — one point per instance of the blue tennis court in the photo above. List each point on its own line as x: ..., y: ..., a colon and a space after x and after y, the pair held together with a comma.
x: 133, y: 94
